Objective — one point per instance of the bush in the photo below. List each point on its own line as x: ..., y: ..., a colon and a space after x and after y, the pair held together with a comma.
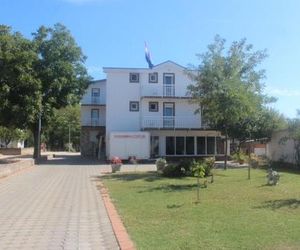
x: 173, y: 170
x: 160, y: 163
x: 209, y: 164
x: 240, y: 157
x: 186, y: 164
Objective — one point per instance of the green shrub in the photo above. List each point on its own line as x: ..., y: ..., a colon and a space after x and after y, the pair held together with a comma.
x: 173, y: 170
x: 186, y: 164
x: 209, y: 164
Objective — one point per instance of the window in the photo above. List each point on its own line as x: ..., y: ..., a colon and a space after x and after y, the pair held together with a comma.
x: 153, y: 77
x: 134, y: 106
x: 170, y: 145
x: 95, y: 117
x: 190, y: 146
x: 210, y: 145
x: 201, y: 145
x: 153, y: 106
x: 95, y: 95
x: 180, y: 145
x: 134, y: 77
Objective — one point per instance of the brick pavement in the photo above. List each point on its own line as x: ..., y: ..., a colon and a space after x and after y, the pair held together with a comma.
x: 54, y: 207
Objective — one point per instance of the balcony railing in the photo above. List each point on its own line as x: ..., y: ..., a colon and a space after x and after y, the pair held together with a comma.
x: 93, y: 122
x: 94, y: 100
x: 158, y: 122
x: 169, y: 90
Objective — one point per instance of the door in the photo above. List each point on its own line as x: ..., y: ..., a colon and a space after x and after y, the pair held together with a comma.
x: 95, y: 96
x: 169, y: 84
x: 95, y: 117
x: 169, y: 115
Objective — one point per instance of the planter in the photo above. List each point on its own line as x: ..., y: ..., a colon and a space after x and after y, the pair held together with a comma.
x: 115, y: 167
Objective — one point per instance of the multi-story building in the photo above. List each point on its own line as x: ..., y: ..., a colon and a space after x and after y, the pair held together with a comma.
x: 142, y: 99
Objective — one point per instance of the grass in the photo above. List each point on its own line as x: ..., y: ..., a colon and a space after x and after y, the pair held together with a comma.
x: 233, y: 213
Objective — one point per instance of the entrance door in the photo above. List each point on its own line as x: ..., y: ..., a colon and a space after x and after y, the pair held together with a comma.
x: 154, y: 143
x: 95, y: 117
x: 169, y: 115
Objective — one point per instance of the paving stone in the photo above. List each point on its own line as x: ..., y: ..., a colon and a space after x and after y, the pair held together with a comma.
x: 55, y: 206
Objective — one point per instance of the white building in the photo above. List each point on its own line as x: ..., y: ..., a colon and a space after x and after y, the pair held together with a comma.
x: 133, y: 101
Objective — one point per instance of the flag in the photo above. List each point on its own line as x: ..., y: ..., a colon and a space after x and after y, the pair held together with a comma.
x: 148, y: 57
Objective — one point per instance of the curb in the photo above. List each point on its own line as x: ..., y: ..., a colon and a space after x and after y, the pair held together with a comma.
x: 119, y: 229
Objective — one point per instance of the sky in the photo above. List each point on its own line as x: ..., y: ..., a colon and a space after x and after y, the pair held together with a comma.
x: 112, y: 33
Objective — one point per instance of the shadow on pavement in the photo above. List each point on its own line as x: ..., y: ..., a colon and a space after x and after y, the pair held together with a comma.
x: 72, y: 160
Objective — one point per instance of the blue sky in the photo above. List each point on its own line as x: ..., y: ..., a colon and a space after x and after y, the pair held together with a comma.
x: 112, y: 33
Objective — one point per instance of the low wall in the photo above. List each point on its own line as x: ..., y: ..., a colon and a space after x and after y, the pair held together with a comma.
x: 11, y: 168
x: 10, y: 151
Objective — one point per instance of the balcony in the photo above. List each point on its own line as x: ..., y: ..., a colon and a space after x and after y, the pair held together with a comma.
x: 94, y: 100
x: 93, y: 122
x: 171, y: 122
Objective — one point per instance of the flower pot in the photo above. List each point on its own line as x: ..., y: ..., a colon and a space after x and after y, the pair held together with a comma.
x: 115, y: 167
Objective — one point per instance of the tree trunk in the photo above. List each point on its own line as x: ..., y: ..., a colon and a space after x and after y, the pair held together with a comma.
x: 37, y: 140
x: 226, y: 149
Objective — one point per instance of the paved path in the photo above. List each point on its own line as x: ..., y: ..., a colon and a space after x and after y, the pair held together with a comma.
x: 55, y: 206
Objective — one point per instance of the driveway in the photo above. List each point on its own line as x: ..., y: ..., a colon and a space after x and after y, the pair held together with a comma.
x: 55, y: 206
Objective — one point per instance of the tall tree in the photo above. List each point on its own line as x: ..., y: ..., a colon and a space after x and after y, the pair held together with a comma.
x: 61, y: 71
x: 228, y: 87
x: 19, y: 86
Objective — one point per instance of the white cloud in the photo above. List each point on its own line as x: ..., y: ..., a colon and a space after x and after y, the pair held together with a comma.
x: 283, y: 92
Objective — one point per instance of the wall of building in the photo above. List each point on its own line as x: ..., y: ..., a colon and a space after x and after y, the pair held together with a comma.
x: 87, y: 97
x: 279, y: 149
x: 86, y: 115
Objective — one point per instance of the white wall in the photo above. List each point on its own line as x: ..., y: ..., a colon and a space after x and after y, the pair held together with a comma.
x: 277, y: 150
x: 86, y: 115
x: 87, y: 97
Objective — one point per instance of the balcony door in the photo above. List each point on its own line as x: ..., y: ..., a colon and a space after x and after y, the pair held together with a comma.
x: 169, y: 84
x: 95, y: 117
x: 169, y: 115
x: 95, y: 96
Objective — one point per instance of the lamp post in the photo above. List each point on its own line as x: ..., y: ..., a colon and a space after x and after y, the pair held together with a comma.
x: 69, y: 138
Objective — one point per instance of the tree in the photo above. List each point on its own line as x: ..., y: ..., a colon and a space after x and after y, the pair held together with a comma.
x: 19, y: 86
x: 60, y: 70
x: 64, y: 123
x: 39, y: 76
x: 228, y: 87
x: 8, y: 135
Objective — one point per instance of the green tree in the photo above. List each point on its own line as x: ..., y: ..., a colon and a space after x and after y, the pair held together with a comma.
x: 8, y: 135
x: 64, y: 123
x: 19, y: 87
x: 228, y: 86
x: 61, y: 71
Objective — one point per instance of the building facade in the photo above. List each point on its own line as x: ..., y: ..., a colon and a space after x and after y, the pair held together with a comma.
x: 146, y: 100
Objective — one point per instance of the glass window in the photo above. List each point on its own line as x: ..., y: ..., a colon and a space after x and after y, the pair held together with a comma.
x: 170, y: 145
x: 134, y: 106
x: 134, y: 77
x: 190, y: 146
x: 180, y: 145
x: 153, y: 106
x: 201, y: 145
x: 210, y: 145
x: 153, y: 77
x: 220, y: 146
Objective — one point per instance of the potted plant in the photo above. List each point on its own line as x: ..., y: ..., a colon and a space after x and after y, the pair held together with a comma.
x: 116, y: 164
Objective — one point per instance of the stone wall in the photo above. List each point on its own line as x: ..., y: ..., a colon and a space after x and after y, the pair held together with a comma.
x: 10, y: 151
x: 13, y: 167
x: 89, y: 141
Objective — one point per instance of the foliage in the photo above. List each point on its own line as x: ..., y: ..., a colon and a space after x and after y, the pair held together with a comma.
x: 198, y: 169
x: 173, y: 170
x: 229, y: 89
x: 38, y: 76
x: 240, y: 157
x: 273, y: 177
x: 160, y: 163
x: 12, y: 134
x: 116, y: 160
x: 62, y: 122
x: 20, y: 98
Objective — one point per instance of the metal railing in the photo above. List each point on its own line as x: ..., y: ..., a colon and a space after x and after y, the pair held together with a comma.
x: 158, y: 122
x: 93, y: 122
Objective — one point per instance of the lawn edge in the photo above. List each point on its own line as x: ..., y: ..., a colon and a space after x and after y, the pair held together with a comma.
x: 123, y: 238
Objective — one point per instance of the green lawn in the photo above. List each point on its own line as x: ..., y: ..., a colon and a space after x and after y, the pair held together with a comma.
x: 234, y: 213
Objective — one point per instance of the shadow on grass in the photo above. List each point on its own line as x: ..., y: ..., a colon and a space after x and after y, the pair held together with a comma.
x: 149, y: 177
x: 174, y: 206
x: 277, y: 204
x: 171, y: 188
